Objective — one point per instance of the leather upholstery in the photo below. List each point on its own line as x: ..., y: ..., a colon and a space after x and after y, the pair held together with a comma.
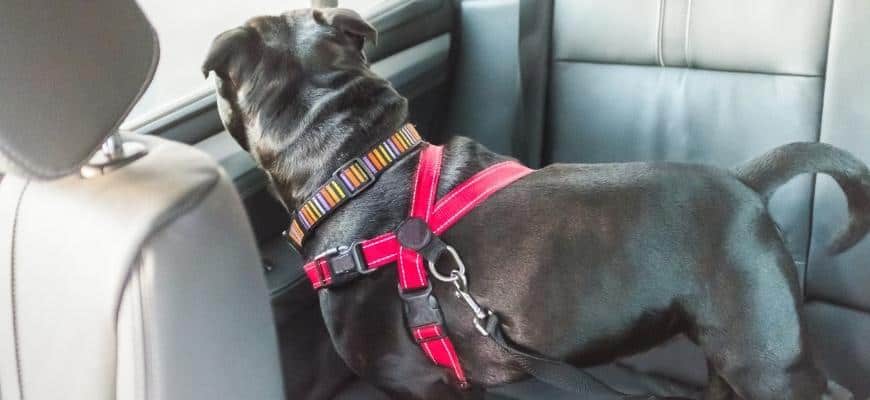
x: 607, y: 113
x: 71, y: 71
x: 487, y: 74
x: 845, y: 123
x: 774, y: 36
x: 143, y: 283
x: 839, y: 318
x: 709, y: 82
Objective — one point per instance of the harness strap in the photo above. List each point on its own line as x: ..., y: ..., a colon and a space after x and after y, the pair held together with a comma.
x: 422, y: 311
x: 427, y: 220
x: 383, y: 250
x: 412, y: 273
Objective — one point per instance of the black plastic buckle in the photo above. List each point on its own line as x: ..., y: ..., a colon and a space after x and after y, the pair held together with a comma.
x: 346, y: 263
x: 421, y: 308
x: 370, y: 177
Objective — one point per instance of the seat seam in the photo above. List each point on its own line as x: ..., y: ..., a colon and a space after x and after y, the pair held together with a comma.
x: 575, y: 61
x: 687, y: 33
x: 805, y: 282
x: 181, y: 208
x: 184, y: 207
x: 145, y: 372
x: 13, y: 291
x: 659, y: 45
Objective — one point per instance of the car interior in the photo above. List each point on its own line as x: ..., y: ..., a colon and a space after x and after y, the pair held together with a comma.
x: 149, y: 263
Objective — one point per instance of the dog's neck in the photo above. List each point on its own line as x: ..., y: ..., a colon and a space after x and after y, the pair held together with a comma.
x: 346, y: 116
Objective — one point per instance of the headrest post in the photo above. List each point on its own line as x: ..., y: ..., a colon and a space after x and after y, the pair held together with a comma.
x: 113, y: 147
x: 114, y: 153
x: 70, y: 73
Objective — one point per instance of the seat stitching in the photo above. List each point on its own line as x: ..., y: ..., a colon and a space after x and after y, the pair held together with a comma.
x: 686, y: 36
x: 146, y: 373
x: 659, y: 46
x: 13, y: 291
x: 189, y: 202
x: 711, y: 69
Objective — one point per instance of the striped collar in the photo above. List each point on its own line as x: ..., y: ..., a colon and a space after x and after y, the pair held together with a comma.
x: 349, y: 180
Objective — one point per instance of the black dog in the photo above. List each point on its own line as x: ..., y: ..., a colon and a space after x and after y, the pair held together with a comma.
x: 585, y: 263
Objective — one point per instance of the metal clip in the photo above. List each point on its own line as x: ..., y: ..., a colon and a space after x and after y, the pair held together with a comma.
x: 460, y: 281
x: 452, y: 277
x: 480, y: 313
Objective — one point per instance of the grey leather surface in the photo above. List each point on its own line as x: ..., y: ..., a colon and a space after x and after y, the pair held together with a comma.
x: 616, y: 113
x: 760, y: 74
x: 839, y: 337
x: 168, y: 235
x: 71, y: 71
x: 11, y: 190
x: 615, y: 31
x: 772, y: 36
x: 486, y: 87
x: 843, y: 279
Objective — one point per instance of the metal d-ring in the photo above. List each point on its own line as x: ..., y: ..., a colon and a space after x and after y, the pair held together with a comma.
x: 455, y: 274
x: 460, y: 281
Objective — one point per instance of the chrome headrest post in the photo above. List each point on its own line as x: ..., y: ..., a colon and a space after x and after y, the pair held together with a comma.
x: 114, y: 153
x: 113, y: 147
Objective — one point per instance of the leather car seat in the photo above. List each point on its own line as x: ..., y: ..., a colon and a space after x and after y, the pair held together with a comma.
x: 132, y: 274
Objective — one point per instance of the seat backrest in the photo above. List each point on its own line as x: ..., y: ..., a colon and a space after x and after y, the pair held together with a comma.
x: 140, y: 281
x: 708, y: 82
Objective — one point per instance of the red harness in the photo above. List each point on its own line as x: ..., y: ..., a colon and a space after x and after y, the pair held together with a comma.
x: 422, y: 312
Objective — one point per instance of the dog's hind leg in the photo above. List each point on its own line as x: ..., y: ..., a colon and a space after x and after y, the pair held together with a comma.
x: 747, y: 319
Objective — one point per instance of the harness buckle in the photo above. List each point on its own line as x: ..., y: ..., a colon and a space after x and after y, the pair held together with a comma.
x: 421, y: 307
x: 345, y: 263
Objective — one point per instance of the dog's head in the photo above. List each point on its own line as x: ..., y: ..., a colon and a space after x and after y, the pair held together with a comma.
x: 272, y: 69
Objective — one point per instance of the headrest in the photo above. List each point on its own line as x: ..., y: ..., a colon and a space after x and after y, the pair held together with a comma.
x: 70, y: 73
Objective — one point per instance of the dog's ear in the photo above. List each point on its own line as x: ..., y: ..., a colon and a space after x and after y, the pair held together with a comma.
x: 231, y: 53
x: 347, y: 21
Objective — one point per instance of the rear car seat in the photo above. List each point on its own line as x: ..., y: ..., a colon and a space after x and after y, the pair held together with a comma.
x: 694, y: 81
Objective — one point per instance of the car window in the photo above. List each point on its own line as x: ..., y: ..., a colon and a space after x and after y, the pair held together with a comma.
x: 186, y: 29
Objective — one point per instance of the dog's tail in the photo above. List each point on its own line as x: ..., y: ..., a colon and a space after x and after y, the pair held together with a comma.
x: 768, y: 172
